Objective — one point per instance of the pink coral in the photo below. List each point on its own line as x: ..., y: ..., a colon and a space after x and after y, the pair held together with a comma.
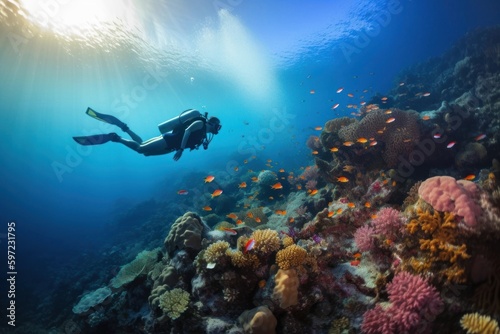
x: 388, y: 223
x: 414, y: 304
x: 445, y: 193
x: 364, y: 238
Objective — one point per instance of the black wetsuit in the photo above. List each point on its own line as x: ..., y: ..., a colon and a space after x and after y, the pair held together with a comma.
x: 174, y: 138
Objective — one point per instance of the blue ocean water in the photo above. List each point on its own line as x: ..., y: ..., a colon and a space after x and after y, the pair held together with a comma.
x: 268, y: 70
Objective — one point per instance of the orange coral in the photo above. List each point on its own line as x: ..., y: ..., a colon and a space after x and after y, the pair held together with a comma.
x: 442, y: 250
x: 291, y: 257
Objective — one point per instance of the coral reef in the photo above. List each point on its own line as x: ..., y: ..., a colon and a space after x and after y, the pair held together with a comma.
x: 414, y: 304
x: 445, y: 193
x: 286, y: 289
x: 91, y: 300
x: 174, y: 302
x: 141, y: 265
x: 475, y: 323
x: 259, y: 320
x: 186, y: 232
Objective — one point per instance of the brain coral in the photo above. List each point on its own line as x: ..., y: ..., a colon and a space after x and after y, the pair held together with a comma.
x: 259, y: 320
x: 267, y: 178
x: 266, y: 241
x: 445, y: 193
x: 399, y: 135
x: 286, y: 290
x: 291, y: 257
x: 185, y: 233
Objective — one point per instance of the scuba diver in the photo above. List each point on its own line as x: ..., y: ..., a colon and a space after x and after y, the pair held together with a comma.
x: 190, y: 130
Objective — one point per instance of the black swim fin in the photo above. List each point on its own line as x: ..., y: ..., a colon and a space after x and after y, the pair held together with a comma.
x: 106, y: 118
x: 95, y: 139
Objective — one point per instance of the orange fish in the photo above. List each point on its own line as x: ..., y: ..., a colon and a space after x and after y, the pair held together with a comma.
x: 232, y: 216
x: 339, y: 211
x: 480, y: 137
x: 348, y: 143
x: 249, y: 215
x: 351, y: 205
x: 299, y: 187
x: 242, y: 185
x: 271, y: 198
x: 255, y: 179
x: 216, y: 193
x: 229, y: 231
x: 330, y: 214
x: 374, y: 216
x: 350, y: 95
x: 318, y: 128
x: 182, y: 192
x: 390, y: 120
x: 334, y: 149
x: 262, y: 283
x: 314, y: 152
x: 342, y: 179
x: 207, y: 208
x: 313, y: 192
x: 355, y: 263
x: 239, y: 222
x: 373, y: 143
x: 258, y: 220
x: 470, y: 177
x: 209, y: 178
x: 277, y: 186
x: 291, y: 220
x: 426, y: 117
x: 281, y: 170
x: 357, y: 255
x: 362, y: 140
x: 368, y: 205
x: 384, y: 98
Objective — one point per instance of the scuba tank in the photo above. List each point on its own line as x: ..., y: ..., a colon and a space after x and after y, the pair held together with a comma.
x: 177, y: 121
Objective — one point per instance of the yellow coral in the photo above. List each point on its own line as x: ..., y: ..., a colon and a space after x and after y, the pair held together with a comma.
x: 242, y: 260
x: 474, y: 323
x: 266, y: 241
x: 291, y: 257
x: 216, y: 251
x: 439, y: 239
x: 287, y: 241
x: 286, y: 290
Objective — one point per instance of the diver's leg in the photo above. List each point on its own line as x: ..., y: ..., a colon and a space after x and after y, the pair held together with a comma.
x: 133, y: 135
x: 136, y: 146
x: 154, y: 146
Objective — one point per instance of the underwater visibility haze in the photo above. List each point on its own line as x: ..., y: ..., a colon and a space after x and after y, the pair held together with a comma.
x: 352, y: 186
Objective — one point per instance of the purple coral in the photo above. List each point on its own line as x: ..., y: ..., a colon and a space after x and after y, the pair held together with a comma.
x: 388, y: 223
x: 414, y: 304
x: 364, y: 238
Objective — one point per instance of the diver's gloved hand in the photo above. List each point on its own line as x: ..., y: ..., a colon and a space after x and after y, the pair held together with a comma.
x: 178, y: 154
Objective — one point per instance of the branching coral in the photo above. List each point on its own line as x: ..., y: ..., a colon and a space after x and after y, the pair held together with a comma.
x: 443, y: 250
x: 174, y: 302
x: 291, y: 257
x: 243, y: 260
x: 474, y: 323
x: 216, y: 251
x: 266, y: 241
x: 414, y: 304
